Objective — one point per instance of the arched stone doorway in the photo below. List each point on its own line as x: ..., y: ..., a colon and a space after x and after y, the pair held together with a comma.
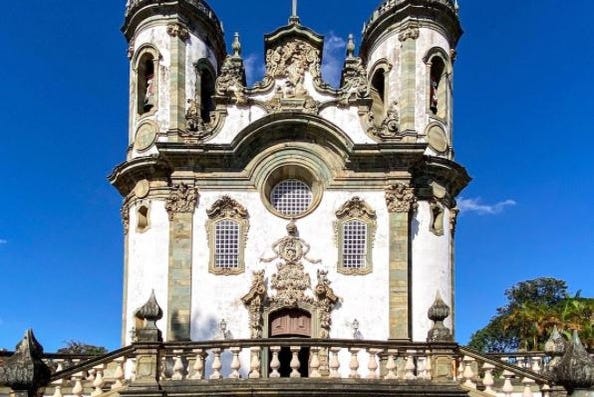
x: 291, y: 323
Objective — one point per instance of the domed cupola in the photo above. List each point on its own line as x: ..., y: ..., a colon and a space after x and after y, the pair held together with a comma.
x: 441, y: 14
x: 196, y: 14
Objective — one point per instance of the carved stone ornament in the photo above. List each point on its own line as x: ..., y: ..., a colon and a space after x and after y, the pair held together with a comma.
x: 291, y: 60
x: 291, y: 248
x: 355, y: 84
x: 254, y: 301
x: 25, y: 371
x: 196, y: 127
x: 410, y: 33
x: 231, y: 81
x: 401, y: 198
x: 437, y: 313
x: 575, y: 371
x: 125, y: 212
x: 177, y: 30
x: 356, y: 208
x: 327, y: 300
x: 389, y: 128
x: 149, y: 314
x: 182, y: 199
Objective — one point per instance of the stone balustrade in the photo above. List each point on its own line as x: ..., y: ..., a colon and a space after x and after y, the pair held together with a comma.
x: 389, y: 5
x: 265, y: 360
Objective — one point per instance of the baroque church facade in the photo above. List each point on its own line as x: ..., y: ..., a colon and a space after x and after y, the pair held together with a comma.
x: 290, y: 208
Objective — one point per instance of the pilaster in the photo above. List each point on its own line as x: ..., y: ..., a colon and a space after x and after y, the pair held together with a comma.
x: 181, y: 204
x: 408, y: 74
x: 177, y: 88
x: 401, y: 202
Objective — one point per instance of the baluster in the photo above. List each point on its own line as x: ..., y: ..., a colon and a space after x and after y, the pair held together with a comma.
x: 460, y: 370
x: 536, y: 365
x: 422, y: 368
x: 334, y: 362
x: 179, y: 368
x: 216, y: 364
x: 235, y: 363
x: 354, y: 363
x: 546, y: 390
x: 391, y: 365
x: 199, y: 364
x: 428, y: 366
x: 521, y: 361
x: 373, y: 365
x: 527, y: 382
x: 488, y: 380
x: 410, y: 368
x: 119, y: 375
x: 255, y: 363
x: 468, y: 373
x: 58, y: 384
x: 98, y: 382
x: 275, y: 362
x: 508, y: 388
x: 77, y: 389
x: 314, y: 365
x: 164, y: 370
x: 295, y: 364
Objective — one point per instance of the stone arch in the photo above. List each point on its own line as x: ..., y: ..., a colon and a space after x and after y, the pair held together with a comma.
x: 439, y: 71
x: 145, y: 80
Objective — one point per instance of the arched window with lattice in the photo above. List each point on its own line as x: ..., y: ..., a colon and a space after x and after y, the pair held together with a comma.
x: 356, y: 225
x: 227, y: 229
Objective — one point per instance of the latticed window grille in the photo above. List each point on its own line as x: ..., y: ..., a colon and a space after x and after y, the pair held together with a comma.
x: 354, y: 244
x: 227, y: 244
x: 291, y: 197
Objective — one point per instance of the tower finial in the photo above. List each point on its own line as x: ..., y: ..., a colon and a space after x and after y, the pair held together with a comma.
x: 294, y: 17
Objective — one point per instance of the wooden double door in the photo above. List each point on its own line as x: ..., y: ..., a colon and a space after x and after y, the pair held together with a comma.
x: 291, y: 323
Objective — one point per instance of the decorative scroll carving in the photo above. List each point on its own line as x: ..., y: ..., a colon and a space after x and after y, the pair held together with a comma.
x: 355, y: 84
x: 291, y: 248
x: 177, y: 30
x: 327, y: 300
x: 291, y: 60
x: 231, y: 81
x: 410, y: 33
x: 401, y: 199
x: 356, y: 208
x: 227, y: 208
x: 290, y: 100
x: 25, y: 371
x: 389, y: 127
x: 254, y: 301
x: 182, y: 199
x: 196, y: 127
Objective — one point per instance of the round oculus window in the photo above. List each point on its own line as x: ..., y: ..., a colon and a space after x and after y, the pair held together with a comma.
x: 291, y: 197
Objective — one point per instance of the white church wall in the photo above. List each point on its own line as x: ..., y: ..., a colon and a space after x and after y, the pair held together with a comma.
x: 148, y: 261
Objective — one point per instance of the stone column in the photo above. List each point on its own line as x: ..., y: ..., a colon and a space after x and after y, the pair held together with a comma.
x: 408, y: 73
x: 177, y: 89
x: 181, y: 204
x: 125, y: 212
x: 401, y: 201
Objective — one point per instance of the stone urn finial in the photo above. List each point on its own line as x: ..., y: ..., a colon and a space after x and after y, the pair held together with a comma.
x: 437, y: 313
x: 575, y: 371
x: 24, y: 372
x: 150, y: 313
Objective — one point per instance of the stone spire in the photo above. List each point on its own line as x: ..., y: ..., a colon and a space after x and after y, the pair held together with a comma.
x: 575, y: 371
x: 24, y: 372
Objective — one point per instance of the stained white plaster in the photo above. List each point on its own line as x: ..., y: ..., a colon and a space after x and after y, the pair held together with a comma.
x: 148, y: 262
x: 431, y: 270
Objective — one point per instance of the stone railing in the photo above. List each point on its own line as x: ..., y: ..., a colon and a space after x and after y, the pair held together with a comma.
x: 199, y: 4
x: 504, y: 375
x: 388, y: 5
x: 227, y: 362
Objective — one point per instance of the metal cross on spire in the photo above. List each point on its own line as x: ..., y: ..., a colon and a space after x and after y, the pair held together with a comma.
x: 294, y: 17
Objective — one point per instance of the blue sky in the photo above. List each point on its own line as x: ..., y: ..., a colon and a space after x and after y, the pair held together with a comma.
x: 523, y: 98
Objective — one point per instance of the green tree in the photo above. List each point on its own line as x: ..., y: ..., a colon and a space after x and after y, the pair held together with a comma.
x: 79, y: 348
x: 533, y: 308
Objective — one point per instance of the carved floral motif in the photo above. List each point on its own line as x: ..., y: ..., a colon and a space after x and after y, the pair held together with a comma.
x: 327, y: 300
x: 400, y: 198
x: 230, y: 82
x: 182, y: 199
x: 254, y: 301
x: 410, y: 33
